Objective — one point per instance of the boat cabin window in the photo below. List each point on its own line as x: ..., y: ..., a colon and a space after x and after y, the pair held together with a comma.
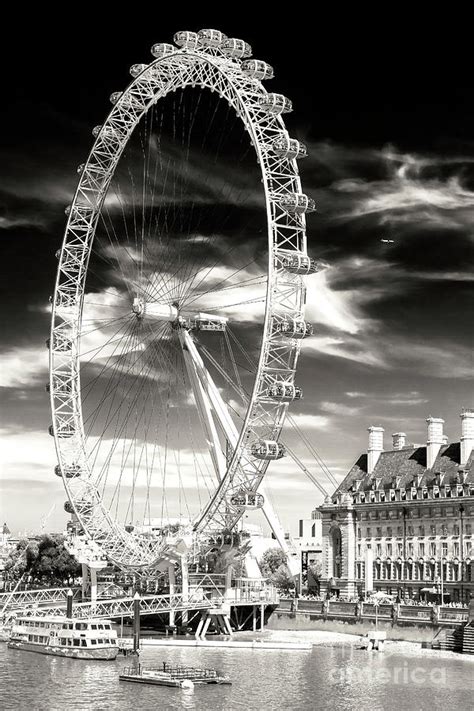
x: 100, y: 627
x: 93, y: 627
x: 93, y: 641
x: 71, y: 626
x: 76, y: 642
x: 83, y: 643
x: 81, y: 626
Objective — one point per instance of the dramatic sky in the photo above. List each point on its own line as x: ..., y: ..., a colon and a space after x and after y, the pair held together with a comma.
x: 388, y: 124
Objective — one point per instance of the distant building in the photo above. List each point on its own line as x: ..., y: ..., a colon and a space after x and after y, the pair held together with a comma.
x: 402, y: 520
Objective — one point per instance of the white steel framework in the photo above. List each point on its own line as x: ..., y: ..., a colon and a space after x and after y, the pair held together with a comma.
x: 211, y: 61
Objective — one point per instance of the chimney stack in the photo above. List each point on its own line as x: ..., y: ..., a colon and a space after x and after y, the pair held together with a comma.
x: 399, y: 440
x: 375, y: 447
x: 467, y: 435
x: 435, y: 440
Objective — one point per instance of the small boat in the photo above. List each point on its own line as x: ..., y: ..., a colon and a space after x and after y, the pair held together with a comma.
x: 172, y: 675
x: 65, y: 637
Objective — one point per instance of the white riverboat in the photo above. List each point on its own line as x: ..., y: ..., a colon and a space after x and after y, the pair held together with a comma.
x: 65, y: 637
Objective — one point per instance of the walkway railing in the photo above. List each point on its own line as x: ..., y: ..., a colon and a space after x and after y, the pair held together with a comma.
x: 155, y: 604
x: 28, y: 598
x: 364, y: 610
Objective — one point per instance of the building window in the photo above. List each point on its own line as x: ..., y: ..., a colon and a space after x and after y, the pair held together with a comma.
x: 400, y: 549
x: 433, y: 529
x: 444, y: 549
x: 378, y: 550
x: 468, y: 547
x: 411, y: 530
x: 359, y: 533
x: 456, y: 530
x: 444, y: 529
x: 399, y: 530
x: 421, y: 549
x: 421, y: 530
x: 433, y: 549
x: 369, y: 533
x: 379, y: 532
x: 456, y: 549
x: 468, y: 529
x: 389, y: 550
x: 410, y: 550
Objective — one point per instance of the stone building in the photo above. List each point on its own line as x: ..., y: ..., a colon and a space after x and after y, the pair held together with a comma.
x: 402, y: 520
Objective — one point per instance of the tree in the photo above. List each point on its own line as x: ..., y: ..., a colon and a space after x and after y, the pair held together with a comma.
x: 44, y: 561
x: 313, y: 576
x: 271, y: 560
x: 282, y: 579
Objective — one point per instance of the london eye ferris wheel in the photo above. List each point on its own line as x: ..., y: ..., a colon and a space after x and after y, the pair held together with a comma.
x: 178, y: 310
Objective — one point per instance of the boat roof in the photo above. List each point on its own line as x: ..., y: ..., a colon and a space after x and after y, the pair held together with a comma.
x: 61, y: 618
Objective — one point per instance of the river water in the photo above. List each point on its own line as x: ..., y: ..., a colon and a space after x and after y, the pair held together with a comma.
x: 339, y: 677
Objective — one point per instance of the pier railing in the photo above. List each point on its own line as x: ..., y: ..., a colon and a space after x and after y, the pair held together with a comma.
x: 431, y: 614
x: 24, y: 599
x: 155, y: 604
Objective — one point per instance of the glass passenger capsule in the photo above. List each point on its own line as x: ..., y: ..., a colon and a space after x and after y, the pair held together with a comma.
x: 65, y: 301
x: 257, y: 69
x: 247, y: 500
x: 294, y: 328
x: 137, y: 69
x: 297, y: 203
x: 211, y: 38
x: 267, y: 449
x: 291, y: 148
x: 80, y: 168
x: 236, y: 48
x: 186, y: 39
x: 61, y: 385
x: 285, y: 392
x: 107, y: 131
x: 60, y: 343
x: 115, y: 96
x: 70, y: 472
x: 162, y: 49
x: 299, y: 263
x: 275, y: 104
x: 68, y: 507
x: 64, y: 430
x: 67, y: 210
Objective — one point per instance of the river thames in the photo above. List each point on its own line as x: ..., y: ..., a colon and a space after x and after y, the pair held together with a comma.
x: 340, y: 677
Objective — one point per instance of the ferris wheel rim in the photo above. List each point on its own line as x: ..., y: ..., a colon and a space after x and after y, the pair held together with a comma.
x: 228, y: 71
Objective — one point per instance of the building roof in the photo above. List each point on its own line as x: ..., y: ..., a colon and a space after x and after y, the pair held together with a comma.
x: 409, y: 465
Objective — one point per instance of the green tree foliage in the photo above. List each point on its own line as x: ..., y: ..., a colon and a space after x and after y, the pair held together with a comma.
x: 42, y: 561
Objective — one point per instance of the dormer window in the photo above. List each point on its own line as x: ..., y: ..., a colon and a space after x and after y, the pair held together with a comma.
x: 392, y: 494
x: 425, y: 493
x: 439, y: 478
x: 403, y: 494
x: 435, y: 492
x: 413, y: 492
x: 357, y: 484
x: 397, y: 482
x: 382, y: 496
